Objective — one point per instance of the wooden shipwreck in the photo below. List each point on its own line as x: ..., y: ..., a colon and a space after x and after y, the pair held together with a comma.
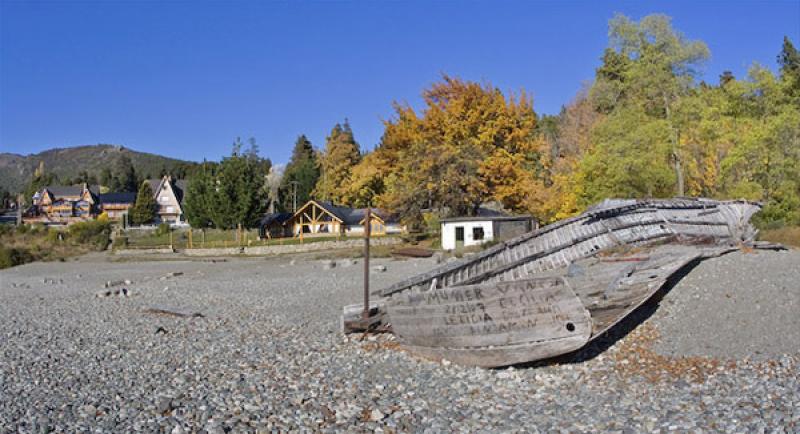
x: 555, y: 289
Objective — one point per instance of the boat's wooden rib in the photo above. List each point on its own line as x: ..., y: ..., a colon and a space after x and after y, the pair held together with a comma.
x: 620, y: 222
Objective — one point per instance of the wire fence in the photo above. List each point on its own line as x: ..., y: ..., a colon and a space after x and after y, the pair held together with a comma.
x: 213, y: 238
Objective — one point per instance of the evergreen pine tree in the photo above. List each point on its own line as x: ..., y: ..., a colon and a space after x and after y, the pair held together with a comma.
x: 199, y: 197
x: 126, y: 176
x: 789, y: 61
x: 144, y: 210
x: 301, y: 174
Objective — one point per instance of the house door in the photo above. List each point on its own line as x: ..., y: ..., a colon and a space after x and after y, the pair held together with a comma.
x: 459, y: 237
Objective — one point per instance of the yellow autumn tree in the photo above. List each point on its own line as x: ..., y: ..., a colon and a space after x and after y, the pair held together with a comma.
x: 470, y: 144
x: 340, y: 155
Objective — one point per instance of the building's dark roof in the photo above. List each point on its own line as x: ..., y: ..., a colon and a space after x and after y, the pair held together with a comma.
x: 154, y: 183
x: 278, y: 217
x: 59, y: 191
x: 64, y: 190
x: 117, y: 197
x: 484, y: 218
x: 489, y: 212
x: 180, y: 189
x: 353, y: 216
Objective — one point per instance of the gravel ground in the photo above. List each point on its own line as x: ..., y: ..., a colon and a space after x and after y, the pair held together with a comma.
x: 266, y: 354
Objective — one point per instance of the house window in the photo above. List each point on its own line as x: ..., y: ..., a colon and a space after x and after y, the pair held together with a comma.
x: 477, y: 233
x: 163, y: 199
x: 170, y: 209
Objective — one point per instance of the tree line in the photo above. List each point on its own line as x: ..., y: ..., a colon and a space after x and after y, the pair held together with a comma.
x: 645, y: 127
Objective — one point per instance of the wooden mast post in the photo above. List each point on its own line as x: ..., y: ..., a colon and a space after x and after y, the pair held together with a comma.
x: 367, y: 225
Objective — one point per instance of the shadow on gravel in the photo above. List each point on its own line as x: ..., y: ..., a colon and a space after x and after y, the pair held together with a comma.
x: 621, y: 329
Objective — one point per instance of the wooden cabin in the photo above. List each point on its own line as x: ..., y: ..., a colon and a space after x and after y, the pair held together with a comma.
x: 323, y: 217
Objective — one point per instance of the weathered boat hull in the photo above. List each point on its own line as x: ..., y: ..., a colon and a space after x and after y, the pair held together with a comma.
x: 553, y: 290
x: 492, y: 324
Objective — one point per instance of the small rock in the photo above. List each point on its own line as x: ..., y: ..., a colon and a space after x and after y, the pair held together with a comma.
x: 379, y: 268
x: 376, y: 415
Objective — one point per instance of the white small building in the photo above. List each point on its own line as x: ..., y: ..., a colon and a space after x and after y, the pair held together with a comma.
x: 459, y: 232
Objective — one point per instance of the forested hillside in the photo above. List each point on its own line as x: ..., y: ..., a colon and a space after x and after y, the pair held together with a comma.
x: 83, y: 163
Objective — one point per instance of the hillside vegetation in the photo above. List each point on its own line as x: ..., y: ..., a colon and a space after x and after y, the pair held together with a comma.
x: 16, y: 171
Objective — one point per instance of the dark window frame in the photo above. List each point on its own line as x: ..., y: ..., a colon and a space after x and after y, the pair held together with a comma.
x: 478, y: 234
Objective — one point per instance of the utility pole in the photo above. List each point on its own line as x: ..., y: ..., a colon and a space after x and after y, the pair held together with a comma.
x: 20, y: 198
x: 294, y: 195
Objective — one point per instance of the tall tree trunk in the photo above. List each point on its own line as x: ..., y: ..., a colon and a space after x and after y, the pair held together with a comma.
x: 676, y: 157
x: 678, y: 172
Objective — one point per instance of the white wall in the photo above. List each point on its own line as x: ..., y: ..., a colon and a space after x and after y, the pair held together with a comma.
x: 449, y: 233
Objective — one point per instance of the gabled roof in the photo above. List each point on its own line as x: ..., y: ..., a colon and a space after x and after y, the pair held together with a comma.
x: 352, y: 216
x: 63, y: 191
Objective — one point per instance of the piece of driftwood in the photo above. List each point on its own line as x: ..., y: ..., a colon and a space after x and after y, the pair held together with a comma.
x: 553, y: 290
x: 180, y: 313
x: 413, y: 252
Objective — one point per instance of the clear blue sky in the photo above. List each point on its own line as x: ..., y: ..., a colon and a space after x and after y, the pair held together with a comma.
x: 185, y: 78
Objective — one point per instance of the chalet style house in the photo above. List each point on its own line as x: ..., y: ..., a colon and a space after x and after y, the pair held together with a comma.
x: 68, y: 204
x: 322, y: 217
x: 169, y: 197
x: 65, y: 204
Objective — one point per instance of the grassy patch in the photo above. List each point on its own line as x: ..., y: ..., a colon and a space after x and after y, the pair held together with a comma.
x: 214, y: 238
x: 787, y: 235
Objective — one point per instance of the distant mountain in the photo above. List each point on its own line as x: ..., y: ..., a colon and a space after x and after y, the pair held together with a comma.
x: 16, y: 170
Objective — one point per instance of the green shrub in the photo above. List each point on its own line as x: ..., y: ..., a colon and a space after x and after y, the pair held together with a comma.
x: 120, y: 242
x: 414, y: 237
x: 432, y: 224
x: 55, y: 236
x: 13, y: 256
x: 94, y: 233
x: 23, y: 229
x: 163, y: 229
